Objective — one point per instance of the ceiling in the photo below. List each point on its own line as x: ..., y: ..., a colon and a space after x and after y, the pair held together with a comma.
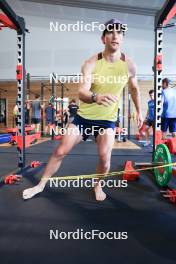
x: 148, y: 8
x: 135, y: 13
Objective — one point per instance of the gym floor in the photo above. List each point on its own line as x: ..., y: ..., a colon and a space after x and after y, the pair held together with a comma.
x: 138, y: 210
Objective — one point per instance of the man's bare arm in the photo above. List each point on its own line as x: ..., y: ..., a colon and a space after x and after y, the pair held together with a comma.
x: 85, y: 94
x: 135, y: 91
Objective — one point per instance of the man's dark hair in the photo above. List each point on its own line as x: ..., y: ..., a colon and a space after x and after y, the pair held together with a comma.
x: 166, y: 81
x: 151, y: 91
x: 73, y: 101
x: 113, y: 24
x: 37, y: 96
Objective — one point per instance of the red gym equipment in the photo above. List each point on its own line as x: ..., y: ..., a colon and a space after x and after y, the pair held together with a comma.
x: 130, y: 174
x: 30, y: 136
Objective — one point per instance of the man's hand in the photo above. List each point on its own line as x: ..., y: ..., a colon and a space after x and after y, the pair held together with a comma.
x: 139, y: 119
x: 106, y: 99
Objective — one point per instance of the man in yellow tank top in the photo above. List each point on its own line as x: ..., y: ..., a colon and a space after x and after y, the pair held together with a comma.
x: 104, y: 77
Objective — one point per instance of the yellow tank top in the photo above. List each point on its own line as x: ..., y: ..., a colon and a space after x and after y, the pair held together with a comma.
x: 107, y: 78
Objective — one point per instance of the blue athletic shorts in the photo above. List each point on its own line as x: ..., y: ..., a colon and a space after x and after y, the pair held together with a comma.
x: 168, y: 123
x: 35, y: 120
x: 89, y: 127
x: 49, y: 122
x: 150, y: 123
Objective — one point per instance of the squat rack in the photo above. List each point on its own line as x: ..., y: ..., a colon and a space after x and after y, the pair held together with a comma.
x: 162, y: 18
x: 11, y: 20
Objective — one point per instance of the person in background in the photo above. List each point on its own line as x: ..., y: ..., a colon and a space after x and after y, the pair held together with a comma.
x: 58, y: 118
x: 149, y: 120
x: 66, y: 115
x: 36, y: 107
x: 72, y: 108
x: 27, y: 112
x: 49, y: 117
x: 168, y: 119
x: 15, y: 114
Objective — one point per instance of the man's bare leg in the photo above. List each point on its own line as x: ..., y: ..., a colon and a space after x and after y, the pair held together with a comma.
x: 105, y: 144
x: 68, y: 142
x: 147, y: 133
x: 37, y: 128
x: 173, y: 134
x: 46, y: 130
x: 164, y: 135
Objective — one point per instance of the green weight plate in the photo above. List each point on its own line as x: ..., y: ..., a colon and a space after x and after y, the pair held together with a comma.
x: 162, y: 175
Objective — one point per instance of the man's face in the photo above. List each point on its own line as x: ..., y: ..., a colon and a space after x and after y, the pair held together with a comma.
x: 152, y: 96
x: 164, y: 85
x: 113, y: 40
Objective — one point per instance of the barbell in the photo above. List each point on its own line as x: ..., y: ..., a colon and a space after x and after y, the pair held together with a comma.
x: 162, y: 166
x: 51, y: 100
